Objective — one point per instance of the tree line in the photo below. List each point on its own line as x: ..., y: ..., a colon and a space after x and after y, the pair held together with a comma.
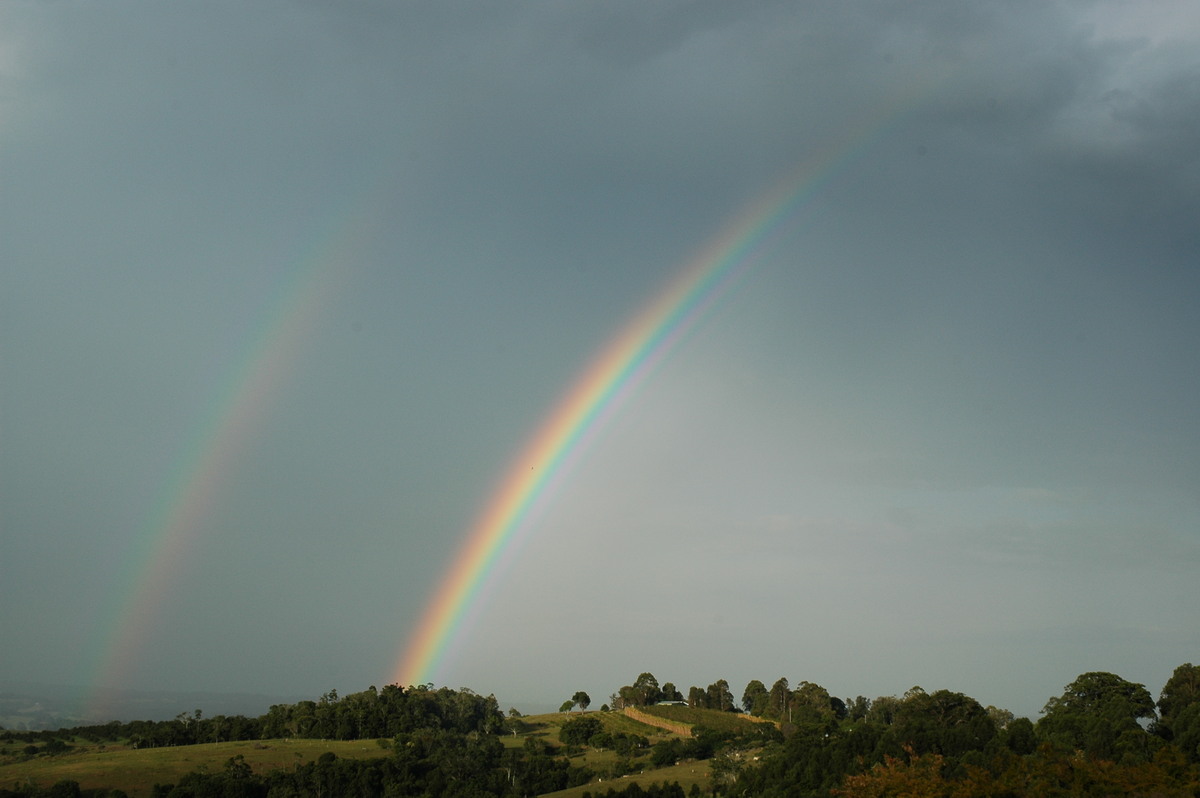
x: 369, y: 714
x: 1103, y: 735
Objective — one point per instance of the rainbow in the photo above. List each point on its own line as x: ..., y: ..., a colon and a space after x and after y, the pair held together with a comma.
x: 620, y: 365
x: 209, y: 458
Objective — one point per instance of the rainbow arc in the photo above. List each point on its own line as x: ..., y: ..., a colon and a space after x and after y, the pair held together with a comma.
x: 619, y: 366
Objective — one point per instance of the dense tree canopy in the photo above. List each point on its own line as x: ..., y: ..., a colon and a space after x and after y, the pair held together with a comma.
x: 1099, y: 713
x: 754, y: 698
x: 1179, y: 710
x: 643, y: 692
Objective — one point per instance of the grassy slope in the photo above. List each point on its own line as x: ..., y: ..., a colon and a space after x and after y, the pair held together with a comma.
x: 687, y: 774
x: 708, y: 718
x: 546, y: 727
x: 137, y: 771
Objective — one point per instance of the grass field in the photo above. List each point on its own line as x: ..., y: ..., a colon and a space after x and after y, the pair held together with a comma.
x: 709, y: 718
x: 547, y: 726
x: 687, y: 774
x: 137, y: 771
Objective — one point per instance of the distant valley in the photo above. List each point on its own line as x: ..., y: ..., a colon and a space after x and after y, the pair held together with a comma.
x: 26, y: 706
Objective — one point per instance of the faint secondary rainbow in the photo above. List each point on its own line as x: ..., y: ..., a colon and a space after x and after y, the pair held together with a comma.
x: 620, y: 365
x: 209, y: 459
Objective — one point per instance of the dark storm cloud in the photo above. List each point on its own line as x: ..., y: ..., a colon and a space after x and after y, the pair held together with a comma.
x: 989, y: 302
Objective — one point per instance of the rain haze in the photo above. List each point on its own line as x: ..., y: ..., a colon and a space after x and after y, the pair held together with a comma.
x: 288, y: 286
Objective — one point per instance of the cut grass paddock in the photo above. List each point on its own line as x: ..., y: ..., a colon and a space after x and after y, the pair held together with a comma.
x: 136, y: 771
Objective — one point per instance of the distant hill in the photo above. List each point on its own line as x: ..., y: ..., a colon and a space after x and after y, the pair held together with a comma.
x: 28, y: 706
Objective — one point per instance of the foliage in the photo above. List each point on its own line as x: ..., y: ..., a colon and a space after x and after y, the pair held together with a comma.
x: 642, y: 693
x: 1098, y: 714
x: 137, y: 770
x: 754, y: 698
x: 366, y: 715
x: 1181, y: 691
x: 777, y: 700
x: 1179, y: 711
x: 1090, y: 741
x: 670, y: 693
x: 941, y: 722
x: 635, y: 790
x: 716, y: 696
x: 578, y: 730
x: 1050, y: 773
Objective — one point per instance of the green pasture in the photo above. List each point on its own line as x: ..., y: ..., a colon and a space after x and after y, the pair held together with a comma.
x: 686, y: 773
x: 708, y: 718
x: 547, y: 726
x: 136, y: 771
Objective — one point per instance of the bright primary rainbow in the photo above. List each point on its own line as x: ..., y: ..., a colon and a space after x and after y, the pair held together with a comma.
x: 620, y: 365
x: 191, y: 486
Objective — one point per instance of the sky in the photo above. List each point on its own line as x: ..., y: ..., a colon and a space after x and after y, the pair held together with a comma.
x: 288, y: 287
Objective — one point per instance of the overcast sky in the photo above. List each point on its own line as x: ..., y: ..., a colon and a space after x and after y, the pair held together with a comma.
x: 321, y: 269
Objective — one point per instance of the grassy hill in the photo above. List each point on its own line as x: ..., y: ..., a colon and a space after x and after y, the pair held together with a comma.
x: 708, y: 718
x: 686, y: 773
x: 136, y: 771
x: 547, y: 726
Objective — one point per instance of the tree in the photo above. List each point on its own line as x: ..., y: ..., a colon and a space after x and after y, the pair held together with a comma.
x: 1001, y: 717
x: 1019, y: 736
x: 66, y: 788
x: 777, y: 702
x: 582, y: 699
x: 643, y: 692
x: 580, y: 729
x: 1179, y: 710
x: 719, y: 696
x: 942, y: 722
x: 647, y: 689
x: 859, y: 707
x: 915, y: 775
x: 670, y: 693
x: 566, y: 706
x: 883, y: 710
x: 1180, y: 691
x: 755, y: 697
x: 811, y: 703
x: 1185, y: 732
x: 1098, y: 713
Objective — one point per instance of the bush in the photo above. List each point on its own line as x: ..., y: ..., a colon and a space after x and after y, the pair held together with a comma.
x: 577, y: 731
